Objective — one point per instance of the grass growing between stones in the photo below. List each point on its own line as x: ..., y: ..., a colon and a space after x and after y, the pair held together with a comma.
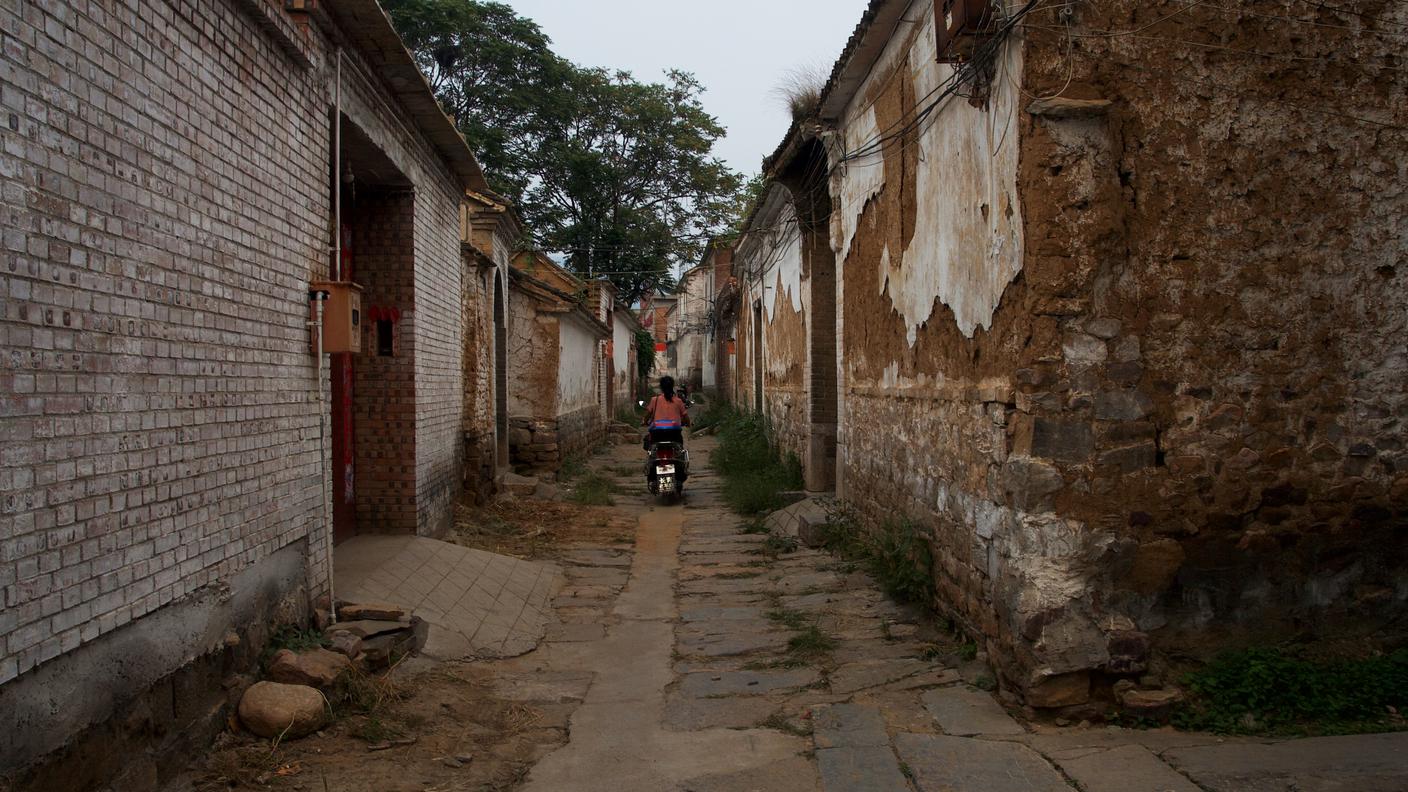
x: 1272, y: 691
x: 754, y: 471
x: 894, y: 553
x: 594, y: 489
x: 811, y: 644
x: 775, y: 545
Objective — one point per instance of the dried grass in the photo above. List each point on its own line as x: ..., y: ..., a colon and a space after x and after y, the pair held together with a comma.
x: 799, y: 90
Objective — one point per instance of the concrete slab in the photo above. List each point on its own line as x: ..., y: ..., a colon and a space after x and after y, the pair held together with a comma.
x: 1128, y: 768
x: 1358, y: 763
x: 946, y: 764
x: 477, y: 603
x: 964, y: 711
x: 868, y: 768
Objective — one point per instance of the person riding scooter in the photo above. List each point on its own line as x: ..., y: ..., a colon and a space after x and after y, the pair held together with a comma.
x: 666, y: 416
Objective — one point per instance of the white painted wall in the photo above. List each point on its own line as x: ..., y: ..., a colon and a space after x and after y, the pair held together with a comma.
x: 578, y: 365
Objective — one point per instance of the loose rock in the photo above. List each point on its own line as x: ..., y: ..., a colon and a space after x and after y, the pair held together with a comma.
x: 272, y: 709
x: 316, y: 668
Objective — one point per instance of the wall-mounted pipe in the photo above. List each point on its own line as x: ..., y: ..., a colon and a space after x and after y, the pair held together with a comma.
x: 319, y: 298
x: 337, y: 173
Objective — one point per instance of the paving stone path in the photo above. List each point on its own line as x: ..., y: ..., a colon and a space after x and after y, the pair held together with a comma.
x: 716, y: 666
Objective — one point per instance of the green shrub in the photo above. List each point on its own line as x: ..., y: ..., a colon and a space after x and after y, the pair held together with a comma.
x: 1271, y: 691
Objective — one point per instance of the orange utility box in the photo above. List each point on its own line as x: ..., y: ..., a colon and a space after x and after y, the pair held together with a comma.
x: 342, y: 315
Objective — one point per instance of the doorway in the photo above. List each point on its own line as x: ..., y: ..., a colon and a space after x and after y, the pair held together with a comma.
x: 501, y: 449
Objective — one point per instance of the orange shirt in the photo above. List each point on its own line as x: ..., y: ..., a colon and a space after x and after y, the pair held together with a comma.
x: 668, y: 412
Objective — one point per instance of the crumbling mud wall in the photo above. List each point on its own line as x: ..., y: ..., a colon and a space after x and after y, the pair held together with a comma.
x: 478, y: 361
x: 770, y: 267
x: 1134, y: 361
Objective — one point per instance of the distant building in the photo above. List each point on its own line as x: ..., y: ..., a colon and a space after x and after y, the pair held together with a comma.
x: 558, y: 370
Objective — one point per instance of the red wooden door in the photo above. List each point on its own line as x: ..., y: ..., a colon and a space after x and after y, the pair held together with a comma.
x: 344, y: 499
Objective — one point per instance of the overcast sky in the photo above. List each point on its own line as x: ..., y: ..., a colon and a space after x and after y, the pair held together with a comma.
x: 739, y: 49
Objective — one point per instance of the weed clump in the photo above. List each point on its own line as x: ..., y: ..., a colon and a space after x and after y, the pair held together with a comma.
x: 894, y: 553
x: 755, y: 472
x: 1272, y: 691
x: 594, y: 489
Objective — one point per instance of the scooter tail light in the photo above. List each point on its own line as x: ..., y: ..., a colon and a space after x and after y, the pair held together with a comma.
x: 665, y: 453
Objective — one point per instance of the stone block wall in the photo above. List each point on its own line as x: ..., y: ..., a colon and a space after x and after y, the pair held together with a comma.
x: 534, y: 444
x: 580, y: 431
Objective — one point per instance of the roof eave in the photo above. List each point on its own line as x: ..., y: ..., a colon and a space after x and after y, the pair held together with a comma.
x: 370, y: 31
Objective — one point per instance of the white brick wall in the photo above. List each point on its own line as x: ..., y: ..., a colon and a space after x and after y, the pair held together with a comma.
x: 164, y: 205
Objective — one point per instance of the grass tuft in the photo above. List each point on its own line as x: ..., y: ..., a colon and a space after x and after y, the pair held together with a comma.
x: 594, y: 489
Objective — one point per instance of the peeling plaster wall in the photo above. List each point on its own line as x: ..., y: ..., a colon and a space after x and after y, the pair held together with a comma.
x: 533, y: 346
x: 1161, y: 402
x: 776, y: 260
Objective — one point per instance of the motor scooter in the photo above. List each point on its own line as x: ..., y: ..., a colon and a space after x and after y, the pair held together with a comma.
x: 667, y: 469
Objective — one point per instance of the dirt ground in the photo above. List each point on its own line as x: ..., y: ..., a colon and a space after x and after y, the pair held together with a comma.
x: 436, y: 727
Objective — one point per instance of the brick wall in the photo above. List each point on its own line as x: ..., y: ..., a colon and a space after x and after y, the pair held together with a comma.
x: 165, y: 204
x: 160, y: 412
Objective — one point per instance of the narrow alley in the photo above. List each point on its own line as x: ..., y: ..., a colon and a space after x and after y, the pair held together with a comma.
x: 1034, y: 372
x: 685, y: 653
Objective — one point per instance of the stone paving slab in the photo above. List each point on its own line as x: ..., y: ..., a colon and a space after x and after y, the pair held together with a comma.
x: 963, y: 711
x: 730, y: 643
x: 731, y: 627
x: 861, y: 768
x: 746, y: 683
x: 477, y: 603
x: 721, y: 613
x: 843, y: 725
x: 684, y: 713
x: 957, y: 764
x: 598, y: 558
x: 1128, y: 768
x: 852, y: 677
x: 1358, y: 763
x: 718, y: 586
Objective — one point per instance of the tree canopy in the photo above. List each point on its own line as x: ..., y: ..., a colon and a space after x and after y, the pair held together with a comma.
x: 616, y: 175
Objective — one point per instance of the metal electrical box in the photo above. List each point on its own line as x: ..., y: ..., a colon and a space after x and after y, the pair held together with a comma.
x: 342, y: 315
x: 960, y: 25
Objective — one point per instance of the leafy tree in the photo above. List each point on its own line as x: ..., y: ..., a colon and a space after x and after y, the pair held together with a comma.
x: 627, y: 186
x: 615, y: 174
x: 494, y: 72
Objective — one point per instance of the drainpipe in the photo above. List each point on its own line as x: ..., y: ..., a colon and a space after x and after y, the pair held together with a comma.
x: 319, y: 298
x: 337, y: 175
